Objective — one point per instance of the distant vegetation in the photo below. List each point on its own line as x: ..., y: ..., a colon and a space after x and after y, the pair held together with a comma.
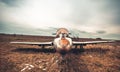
x: 99, y: 38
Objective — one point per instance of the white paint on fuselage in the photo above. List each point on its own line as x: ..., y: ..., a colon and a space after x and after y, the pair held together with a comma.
x: 58, y: 46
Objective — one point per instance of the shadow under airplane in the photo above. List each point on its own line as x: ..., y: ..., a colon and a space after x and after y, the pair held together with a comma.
x: 74, y: 51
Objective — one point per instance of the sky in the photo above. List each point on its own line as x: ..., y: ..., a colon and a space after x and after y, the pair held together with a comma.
x: 83, y: 18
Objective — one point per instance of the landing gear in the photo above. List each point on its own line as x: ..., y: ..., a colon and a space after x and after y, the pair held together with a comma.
x: 42, y: 46
x: 79, y: 47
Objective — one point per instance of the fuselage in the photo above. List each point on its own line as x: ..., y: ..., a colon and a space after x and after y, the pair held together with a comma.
x: 62, y: 42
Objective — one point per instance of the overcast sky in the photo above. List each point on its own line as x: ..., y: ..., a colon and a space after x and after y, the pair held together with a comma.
x: 84, y: 18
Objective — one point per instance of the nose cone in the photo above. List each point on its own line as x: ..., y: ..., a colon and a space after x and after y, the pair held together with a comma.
x: 64, y: 46
x: 64, y: 42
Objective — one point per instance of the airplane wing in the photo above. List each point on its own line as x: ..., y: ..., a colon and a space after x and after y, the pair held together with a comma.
x: 34, y: 43
x: 90, y: 42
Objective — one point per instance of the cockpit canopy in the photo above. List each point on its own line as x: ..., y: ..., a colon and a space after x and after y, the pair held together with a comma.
x: 62, y: 31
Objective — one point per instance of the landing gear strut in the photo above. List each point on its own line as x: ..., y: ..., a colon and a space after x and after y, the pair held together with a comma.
x: 81, y: 48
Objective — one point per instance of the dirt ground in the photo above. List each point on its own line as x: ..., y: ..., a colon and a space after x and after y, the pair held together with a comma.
x: 25, y: 58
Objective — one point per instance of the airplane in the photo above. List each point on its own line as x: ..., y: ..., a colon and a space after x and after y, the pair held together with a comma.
x: 62, y: 42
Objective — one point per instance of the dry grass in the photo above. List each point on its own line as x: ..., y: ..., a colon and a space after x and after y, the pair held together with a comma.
x: 25, y: 58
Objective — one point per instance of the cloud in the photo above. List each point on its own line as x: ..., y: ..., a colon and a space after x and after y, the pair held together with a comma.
x: 37, y: 13
x: 12, y: 3
x: 87, y: 18
x: 93, y: 15
x: 101, y: 32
